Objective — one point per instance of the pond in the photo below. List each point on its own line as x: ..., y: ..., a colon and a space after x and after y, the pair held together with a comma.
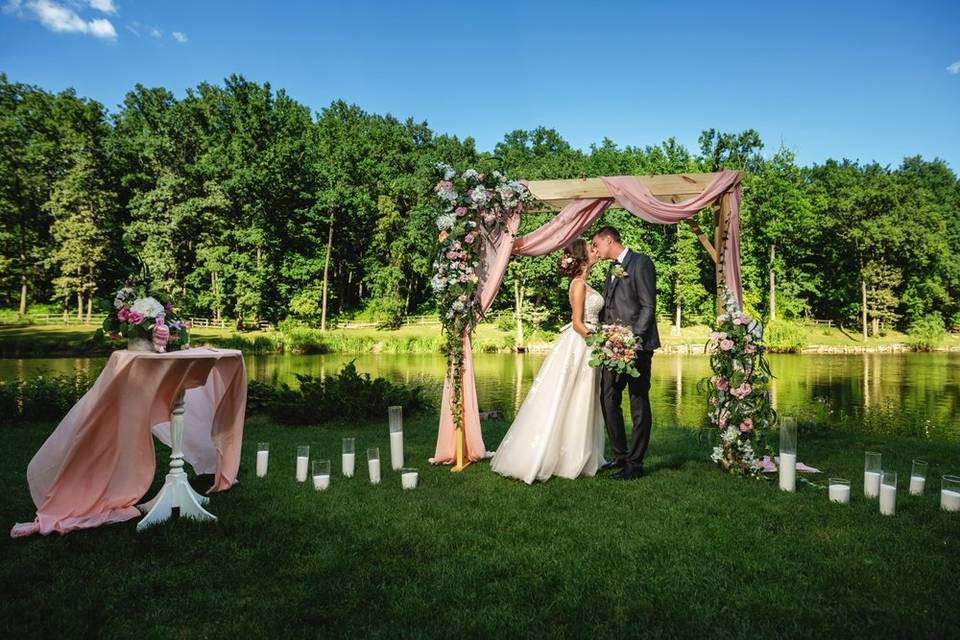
x: 907, y: 394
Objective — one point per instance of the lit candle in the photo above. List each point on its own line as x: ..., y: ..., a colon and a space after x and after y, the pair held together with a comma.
x: 917, y: 484
x: 888, y: 493
x: 349, y: 460
x: 321, y: 474
x: 395, y: 417
x: 788, y: 471
x: 373, y: 465
x: 263, y: 458
x: 320, y: 483
x: 839, y: 490
x: 871, y: 474
x: 950, y: 493
x: 408, y: 478
x: 303, y: 460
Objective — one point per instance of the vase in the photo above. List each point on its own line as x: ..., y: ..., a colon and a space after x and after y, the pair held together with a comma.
x: 140, y: 344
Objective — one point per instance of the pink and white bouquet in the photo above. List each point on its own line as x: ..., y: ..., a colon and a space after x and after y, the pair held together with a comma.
x: 145, y: 319
x: 614, y: 347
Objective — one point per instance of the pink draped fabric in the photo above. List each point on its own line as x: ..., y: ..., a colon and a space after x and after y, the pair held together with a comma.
x: 568, y: 224
x: 100, y: 461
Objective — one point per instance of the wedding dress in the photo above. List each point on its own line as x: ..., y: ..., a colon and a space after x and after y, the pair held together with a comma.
x: 559, y: 428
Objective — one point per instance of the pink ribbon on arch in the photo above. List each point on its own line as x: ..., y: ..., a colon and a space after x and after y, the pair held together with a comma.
x: 628, y: 192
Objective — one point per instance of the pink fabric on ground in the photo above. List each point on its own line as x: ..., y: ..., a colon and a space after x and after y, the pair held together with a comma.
x: 770, y: 466
x: 99, y: 461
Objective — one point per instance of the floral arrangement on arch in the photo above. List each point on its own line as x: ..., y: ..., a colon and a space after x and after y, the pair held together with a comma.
x: 474, y: 206
x: 137, y: 315
x: 740, y: 412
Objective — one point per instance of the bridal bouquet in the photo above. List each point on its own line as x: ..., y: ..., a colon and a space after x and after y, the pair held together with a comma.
x: 614, y: 347
x: 144, y: 320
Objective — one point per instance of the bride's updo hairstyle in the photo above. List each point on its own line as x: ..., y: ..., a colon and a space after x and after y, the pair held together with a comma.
x: 573, y: 259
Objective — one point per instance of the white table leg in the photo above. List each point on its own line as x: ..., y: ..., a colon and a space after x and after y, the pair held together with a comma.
x: 176, y: 492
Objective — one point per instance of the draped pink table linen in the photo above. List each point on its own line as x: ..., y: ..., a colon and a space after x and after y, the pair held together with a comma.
x: 100, y: 461
x: 628, y: 192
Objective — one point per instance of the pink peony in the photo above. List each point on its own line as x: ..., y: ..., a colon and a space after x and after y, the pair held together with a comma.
x: 726, y: 344
x: 123, y: 314
x: 134, y: 317
x: 746, y: 426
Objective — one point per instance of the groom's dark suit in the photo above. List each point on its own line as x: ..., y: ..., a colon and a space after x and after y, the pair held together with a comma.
x: 631, y: 301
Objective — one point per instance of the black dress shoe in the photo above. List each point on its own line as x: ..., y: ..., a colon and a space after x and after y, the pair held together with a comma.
x: 613, y: 464
x: 628, y: 473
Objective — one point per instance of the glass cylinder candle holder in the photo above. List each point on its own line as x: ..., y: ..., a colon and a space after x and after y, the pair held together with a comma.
x: 263, y: 458
x: 303, y: 459
x: 918, y: 477
x: 373, y: 465
x: 321, y: 474
x: 839, y: 490
x: 888, y: 493
x: 409, y: 478
x: 950, y: 493
x: 395, y: 417
x: 788, y: 454
x: 871, y: 474
x: 349, y: 457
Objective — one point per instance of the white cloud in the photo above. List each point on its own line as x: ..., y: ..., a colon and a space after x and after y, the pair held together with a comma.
x: 61, y: 19
x: 106, y: 6
x: 156, y: 33
x: 132, y: 28
x: 180, y: 37
x: 954, y: 69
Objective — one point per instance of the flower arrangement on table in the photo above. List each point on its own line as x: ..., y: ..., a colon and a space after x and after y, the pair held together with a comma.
x: 740, y: 413
x: 614, y: 347
x: 148, y: 323
x: 474, y: 206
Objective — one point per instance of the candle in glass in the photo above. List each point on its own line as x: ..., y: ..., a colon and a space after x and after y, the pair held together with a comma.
x: 408, y: 478
x: 373, y: 465
x: 349, y: 457
x: 950, y: 493
x: 839, y: 490
x: 321, y: 474
x: 871, y: 474
x: 395, y: 415
x: 918, y: 477
x: 788, y: 454
x: 303, y: 458
x: 888, y: 493
x: 263, y: 458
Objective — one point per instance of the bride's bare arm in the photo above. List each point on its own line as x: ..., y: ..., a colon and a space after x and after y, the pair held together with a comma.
x: 578, y: 296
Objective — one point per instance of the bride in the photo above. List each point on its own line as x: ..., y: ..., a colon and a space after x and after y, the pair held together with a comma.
x: 559, y: 428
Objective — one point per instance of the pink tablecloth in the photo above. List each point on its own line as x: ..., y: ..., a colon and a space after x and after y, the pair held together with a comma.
x: 100, y: 461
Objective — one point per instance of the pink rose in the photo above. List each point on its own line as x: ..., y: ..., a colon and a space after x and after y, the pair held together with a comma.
x: 460, y: 211
x: 737, y: 320
x: 722, y: 384
x: 470, y: 237
x: 750, y: 348
x: 742, y: 391
x: 443, y: 235
x: 746, y: 426
x: 134, y: 317
x: 726, y: 344
x: 123, y: 314
x: 723, y: 419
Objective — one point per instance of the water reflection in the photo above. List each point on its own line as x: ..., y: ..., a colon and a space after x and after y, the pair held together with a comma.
x: 909, y: 393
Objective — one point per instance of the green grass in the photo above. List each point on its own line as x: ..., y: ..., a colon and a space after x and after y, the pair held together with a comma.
x: 684, y: 552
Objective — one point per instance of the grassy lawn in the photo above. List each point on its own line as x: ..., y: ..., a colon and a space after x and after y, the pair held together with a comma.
x: 683, y: 552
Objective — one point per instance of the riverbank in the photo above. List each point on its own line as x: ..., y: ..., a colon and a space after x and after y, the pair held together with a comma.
x: 505, y: 559
x: 78, y: 340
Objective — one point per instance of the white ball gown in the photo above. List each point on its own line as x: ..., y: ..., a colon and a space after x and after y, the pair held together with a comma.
x: 559, y: 428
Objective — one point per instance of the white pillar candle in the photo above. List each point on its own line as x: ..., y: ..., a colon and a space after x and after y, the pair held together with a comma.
x: 888, y: 499
x: 840, y: 493
x: 408, y: 479
x: 950, y: 500
x: 348, y: 464
x: 788, y: 471
x: 263, y: 457
x: 320, y: 483
x: 302, y: 462
x: 871, y: 484
x: 917, y: 483
x: 396, y: 450
x: 374, y: 467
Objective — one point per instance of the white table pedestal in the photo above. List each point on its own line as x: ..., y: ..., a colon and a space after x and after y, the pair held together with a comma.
x: 176, y: 492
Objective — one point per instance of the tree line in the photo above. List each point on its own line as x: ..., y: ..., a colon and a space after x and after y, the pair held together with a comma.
x: 244, y: 204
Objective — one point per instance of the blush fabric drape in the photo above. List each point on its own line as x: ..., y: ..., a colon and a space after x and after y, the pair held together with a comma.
x: 629, y: 193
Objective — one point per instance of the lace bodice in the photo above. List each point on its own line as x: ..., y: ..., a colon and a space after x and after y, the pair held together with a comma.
x: 592, y: 305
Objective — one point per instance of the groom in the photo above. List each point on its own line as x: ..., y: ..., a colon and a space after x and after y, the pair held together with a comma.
x: 629, y: 299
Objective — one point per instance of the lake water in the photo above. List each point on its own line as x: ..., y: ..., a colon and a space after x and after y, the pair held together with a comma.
x: 909, y: 394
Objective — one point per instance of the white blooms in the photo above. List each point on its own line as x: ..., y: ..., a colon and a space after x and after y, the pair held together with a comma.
x: 437, y: 283
x: 448, y: 172
x: 717, y: 454
x: 479, y: 195
x: 446, y: 221
x: 471, y: 175
x: 730, y: 435
x: 457, y: 306
x: 147, y: 307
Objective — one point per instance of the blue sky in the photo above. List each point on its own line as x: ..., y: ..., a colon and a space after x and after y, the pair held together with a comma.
x: 858, y: 80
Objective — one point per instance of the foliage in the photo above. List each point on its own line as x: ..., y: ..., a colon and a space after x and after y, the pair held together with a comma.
x: 614, y: 347
x: 41, y: 398
x: 927, y: 333
x: 785, y: 336
x: 740, y: 412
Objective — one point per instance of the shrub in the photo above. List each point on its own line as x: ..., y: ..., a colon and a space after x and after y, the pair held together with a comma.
x: 304, y: 340
x: 785, y: 336
x: 260, y: 397
x: 927, y: 333
x: 9, y: 401
x: 50, y: 397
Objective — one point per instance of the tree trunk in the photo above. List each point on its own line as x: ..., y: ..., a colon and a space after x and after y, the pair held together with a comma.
x: 863, y: 300
x: 676, y: 326
x: 326, y: 277
x: 89, y: 308
x: 518, y: 313
x: 79, y: 306
x: 876, y: 327
x: 406, y: 304
x: 773, y: 285
x: 22, y: 311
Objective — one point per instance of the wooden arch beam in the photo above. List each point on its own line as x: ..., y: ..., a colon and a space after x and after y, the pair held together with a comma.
x: 668, y: 188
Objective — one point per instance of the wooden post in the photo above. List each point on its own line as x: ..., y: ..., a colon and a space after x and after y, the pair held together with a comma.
x: 461, y: 445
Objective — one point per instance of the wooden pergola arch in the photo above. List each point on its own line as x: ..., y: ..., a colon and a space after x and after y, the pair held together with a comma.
x: 672, y: 188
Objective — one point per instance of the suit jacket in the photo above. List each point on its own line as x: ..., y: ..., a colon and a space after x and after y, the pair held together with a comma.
x: 632, y: 300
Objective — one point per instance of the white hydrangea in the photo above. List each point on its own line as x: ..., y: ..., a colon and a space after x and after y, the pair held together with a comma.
x: 479, y: 195
x: 446, y: 221
x: 717, y: 454
x: 437, y: 283
x: 457, y: 306
x: 148, y: 307
x: 471, y: 174
x: 730, y: 435
x: 448, y: 172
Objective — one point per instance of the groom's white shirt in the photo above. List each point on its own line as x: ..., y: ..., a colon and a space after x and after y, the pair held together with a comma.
x: 620, y: 258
